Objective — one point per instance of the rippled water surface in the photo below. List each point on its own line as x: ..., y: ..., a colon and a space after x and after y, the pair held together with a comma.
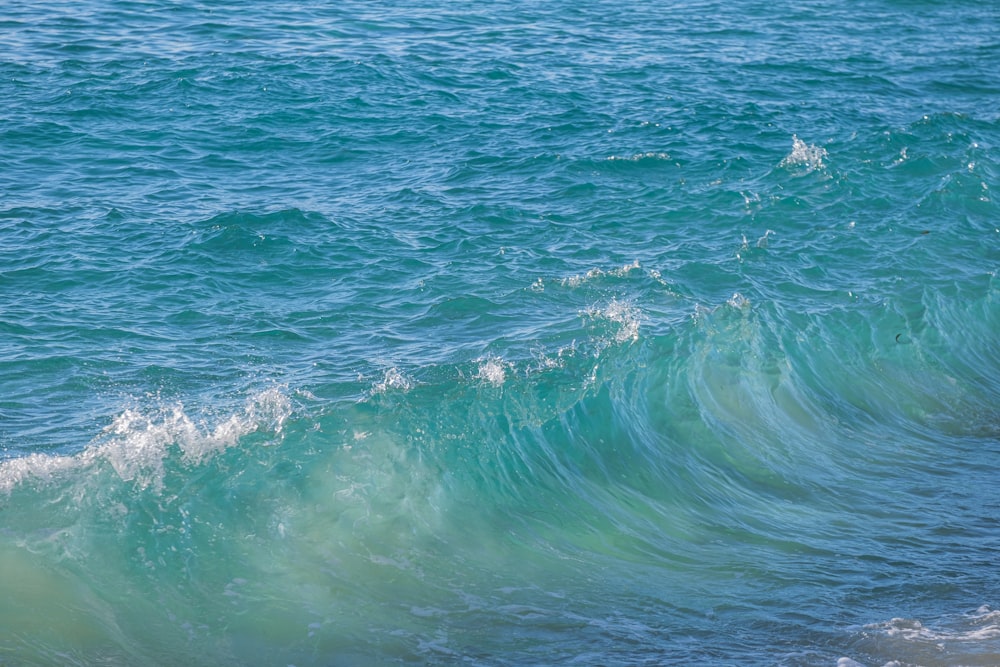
x: 500, y: 333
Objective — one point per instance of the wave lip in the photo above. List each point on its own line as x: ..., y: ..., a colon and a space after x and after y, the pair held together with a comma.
x: 138, y: 441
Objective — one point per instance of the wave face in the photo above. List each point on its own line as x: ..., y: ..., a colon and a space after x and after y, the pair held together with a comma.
x: 500, y: 335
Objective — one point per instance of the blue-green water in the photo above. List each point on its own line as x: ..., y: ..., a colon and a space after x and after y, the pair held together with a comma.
x: 500, y: 333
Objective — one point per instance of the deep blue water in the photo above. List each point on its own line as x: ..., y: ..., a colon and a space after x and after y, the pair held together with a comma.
x: 500, y: 333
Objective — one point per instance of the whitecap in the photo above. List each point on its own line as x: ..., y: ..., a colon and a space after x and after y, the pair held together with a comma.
x: 137, y: 442
x: 803, y: 154
x: 393, y: 379
x: 624, y: 314
x: 637, y: 157
x: 982, y: 625
x: 620, y: 272
x: 492, y: 370
x: 951, y: 640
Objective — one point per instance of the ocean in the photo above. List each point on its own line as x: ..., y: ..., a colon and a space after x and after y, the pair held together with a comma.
x: 511, y: 333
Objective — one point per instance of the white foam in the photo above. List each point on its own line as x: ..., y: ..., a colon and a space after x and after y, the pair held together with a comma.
x: 637, y: 157
x: 545, y: 362
x: 623, y: 313
x: 954, y: 637
x: 393, y: 379
x: 737, y: 300
x: 804, y: 154
x: 34, y: 466
x: 493, y: 370
x: 620, y: 272
x: 982, y: 625
x: 847, y: 662
x: 136, y: 442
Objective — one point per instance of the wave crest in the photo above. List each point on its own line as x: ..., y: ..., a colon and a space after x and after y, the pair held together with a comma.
x: 137, y: 442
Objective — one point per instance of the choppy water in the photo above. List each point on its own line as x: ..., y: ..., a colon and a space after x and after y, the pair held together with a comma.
x: 500, y: 333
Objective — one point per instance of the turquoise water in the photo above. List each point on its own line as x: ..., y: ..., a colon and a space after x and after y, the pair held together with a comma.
x: 500, y: 334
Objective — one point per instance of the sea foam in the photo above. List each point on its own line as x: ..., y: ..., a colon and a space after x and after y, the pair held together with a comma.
x: 138, y: 441
x: 804, y: 155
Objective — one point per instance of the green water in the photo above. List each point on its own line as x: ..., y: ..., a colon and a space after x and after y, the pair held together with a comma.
x: 499, y: 334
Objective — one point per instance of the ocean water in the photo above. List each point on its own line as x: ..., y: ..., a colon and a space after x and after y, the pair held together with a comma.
x: 514, y: 333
